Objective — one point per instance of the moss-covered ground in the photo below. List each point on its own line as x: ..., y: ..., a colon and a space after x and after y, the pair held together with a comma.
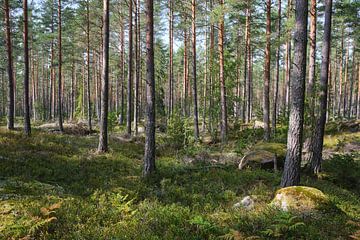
x: 55, y: 186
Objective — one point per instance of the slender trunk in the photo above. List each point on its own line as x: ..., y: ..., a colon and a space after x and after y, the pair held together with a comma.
x: 223, y: 125
x: 211, y: 72
x: 340, y: 72
x: 130, y: 72
x: 185, y: 74
x: 60, y: 74
x: 171, y: 65
x: 149, y: 158
x: 358, y: 94
x: 317, y: 150
x: 277, y: 70
x: 291, y: 174
x: 193, y: 27
x: 103, y: 135
x: 27, y: 126
x: 311, y: 80
x: 351, y: 91
x: 11, y: 98
x: 345, y: 95
x: 249, y: 74
x: 203, y: 126
x: 122, y: 70
x: 247, y: 31
x: 88, y: 64
x: 267, y: 74
x: 137, y: 68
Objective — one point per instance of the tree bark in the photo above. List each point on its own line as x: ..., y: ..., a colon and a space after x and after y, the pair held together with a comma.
x: 103, y: 136
x: 149, y: 158
x: 88, y: 64
x: 291, y: 174
x: 137, y: 69
x: 319, y: 137
x: 27, y: 126
x: 122, y: 69
x: 277, y: 71
x: 267, y: 74
x: 11, y: 98
x: 130, y: 72
x: 193, y: 27
x: 247, y: 31
x: 223, y: 125
x: 171, y: 62
x: 60, y: 117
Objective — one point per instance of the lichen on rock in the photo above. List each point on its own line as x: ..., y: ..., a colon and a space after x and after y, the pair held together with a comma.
x: 300, y: 199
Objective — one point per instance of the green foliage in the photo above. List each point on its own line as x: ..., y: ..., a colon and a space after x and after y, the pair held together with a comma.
x: 344, y: 171
x: 112, y: 121
x: 285, y: 226
x: 246, y: 137
x: 179, y: 131
x: 104, y: 197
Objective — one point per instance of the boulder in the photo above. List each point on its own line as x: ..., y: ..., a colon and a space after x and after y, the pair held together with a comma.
x: 300, y: 199
x: 259, y: 158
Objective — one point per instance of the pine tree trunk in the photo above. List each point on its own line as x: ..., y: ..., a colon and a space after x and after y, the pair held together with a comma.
x: 193, y: 27
x: 277, y: 71
x: 185, y: 74
x: 345, y: 95
x: 27, y: 126
x: 130, y: 71
x: 88, y: 64
x: 149, y: 158
x: 267, y: 74
x: 171, y: 62
x: 11, y: 98
x: 103, y: 135
x: 223, y: 125
x: 247, y: 29
x: 340, y: 73
x: 122, y: 70
x: 291, y: 174
x: 319, y: 137
x: 211, y: 72
x: 60, y: 73
x: 137, y: 70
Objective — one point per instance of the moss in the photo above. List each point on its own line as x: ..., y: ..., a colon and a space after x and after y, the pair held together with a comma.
x: 301, y: 199
x: 278, y: 149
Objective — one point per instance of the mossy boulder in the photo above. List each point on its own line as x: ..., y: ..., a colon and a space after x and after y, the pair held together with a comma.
x: 300, y: 199
x: 258, y: 158
x: 279, y: 149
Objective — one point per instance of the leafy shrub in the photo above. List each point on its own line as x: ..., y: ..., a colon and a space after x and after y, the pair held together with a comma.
x: 180, y: 132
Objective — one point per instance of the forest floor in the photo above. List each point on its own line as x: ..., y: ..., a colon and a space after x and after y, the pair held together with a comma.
x: 55, y: 186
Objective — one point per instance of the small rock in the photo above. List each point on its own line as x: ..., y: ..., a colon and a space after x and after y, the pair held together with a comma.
x: 246, y: 203
x: 258, y: 124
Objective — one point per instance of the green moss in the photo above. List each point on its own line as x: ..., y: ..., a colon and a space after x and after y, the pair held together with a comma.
x: 276, y: 148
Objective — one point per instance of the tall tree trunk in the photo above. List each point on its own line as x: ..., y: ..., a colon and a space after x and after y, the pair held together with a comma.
x: 122, y: 70
x: 27, y: 126
x: 345, y: 95
x: 247, y: 31
x: 60, y: 74
x: 341, y: 72
x: 137, y: 68
x: 291, y: 174
x: 351, y: 91
x: 11, y: 98
x: 103, y: 135
x: 267, y: 73
x: 149, y: 158
x: 193, y: 27
x: 249, y: 74
x: 203, y: 125
x: 311, y: 80
x: 130, y: 71
x: 319, y: 136
x: 223, y: 125
x: 171, y: 58
x: 88, y: 63
x: 185, y: 74
x: 358, y: 95
x: 277, y: 71
x: 211, y: 72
